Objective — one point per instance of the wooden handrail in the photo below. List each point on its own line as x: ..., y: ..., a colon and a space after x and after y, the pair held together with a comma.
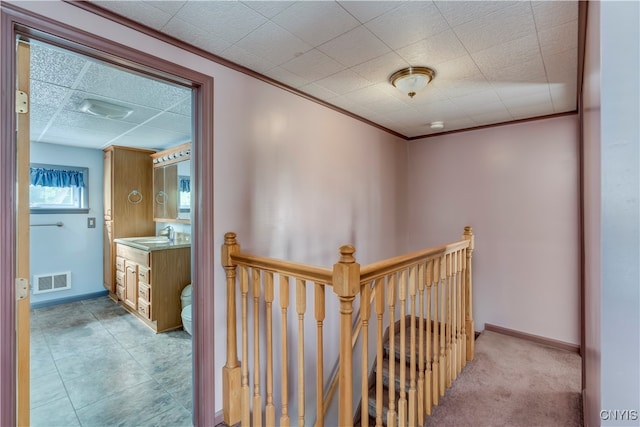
x: 441, y: 275
x: 288, y: 268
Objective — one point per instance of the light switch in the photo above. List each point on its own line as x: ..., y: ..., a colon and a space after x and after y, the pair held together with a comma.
x: 91, y: 222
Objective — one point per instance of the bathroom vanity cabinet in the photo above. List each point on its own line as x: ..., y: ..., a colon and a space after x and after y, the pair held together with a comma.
x: 150, y: 278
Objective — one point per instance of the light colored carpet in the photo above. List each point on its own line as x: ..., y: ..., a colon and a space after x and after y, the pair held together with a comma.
x: 513, y: 382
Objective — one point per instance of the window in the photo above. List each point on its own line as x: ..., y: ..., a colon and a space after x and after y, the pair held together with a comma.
x: 58, y: 189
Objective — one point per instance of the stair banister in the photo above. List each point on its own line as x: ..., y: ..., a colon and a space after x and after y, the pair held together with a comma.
x: 346, y: 284
x: 231, y: 373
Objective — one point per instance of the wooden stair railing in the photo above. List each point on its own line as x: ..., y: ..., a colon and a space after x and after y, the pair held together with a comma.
x: 434, y: 338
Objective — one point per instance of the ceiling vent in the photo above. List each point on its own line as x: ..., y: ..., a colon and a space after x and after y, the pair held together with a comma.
x: 105, y: 109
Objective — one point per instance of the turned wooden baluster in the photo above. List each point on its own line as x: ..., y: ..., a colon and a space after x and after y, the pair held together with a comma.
x: 447, y: 283
x: 454, y: 316
x: 379, y: 289
x: 459, y: 320
x: 428, y: 382
x: 442, y: 320
x: 436, y: 330
x: 319, y: 312
x: 301, y: 308
x: 246, y: 392
x: 270, y: 410
x: 468, y: 235
x: 402, y: 298
x: 413, y: 416
x: 346, y: 284
x: 463, y: 326
x: 391, y: 413
x: 231, y: 373
x: 284, y: 305
x: 365, y: 314
x: 421, y: 321
x: 257, y: 398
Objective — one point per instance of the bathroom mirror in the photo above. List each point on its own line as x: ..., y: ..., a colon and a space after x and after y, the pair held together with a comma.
x: 172, y: 184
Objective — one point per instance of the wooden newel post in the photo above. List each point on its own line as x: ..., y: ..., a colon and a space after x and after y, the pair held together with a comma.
x: 468, y: 290
x: 346, y: 284
x: 231, y: 373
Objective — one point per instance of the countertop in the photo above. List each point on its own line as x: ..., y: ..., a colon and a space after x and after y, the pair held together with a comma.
x: 152, y: 243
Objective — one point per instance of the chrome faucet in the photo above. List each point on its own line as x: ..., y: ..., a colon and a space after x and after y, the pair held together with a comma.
x: 168, y: 231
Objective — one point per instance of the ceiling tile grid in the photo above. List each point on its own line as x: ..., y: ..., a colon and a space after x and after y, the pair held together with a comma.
x: 495, y: 61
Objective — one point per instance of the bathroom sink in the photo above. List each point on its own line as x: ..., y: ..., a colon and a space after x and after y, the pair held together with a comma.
x: 157, y: 240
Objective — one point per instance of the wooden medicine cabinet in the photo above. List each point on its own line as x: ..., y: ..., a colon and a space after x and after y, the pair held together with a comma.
x: 172, y: 184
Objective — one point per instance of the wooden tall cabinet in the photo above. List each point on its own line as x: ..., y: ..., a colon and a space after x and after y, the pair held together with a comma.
x: 128, y: 202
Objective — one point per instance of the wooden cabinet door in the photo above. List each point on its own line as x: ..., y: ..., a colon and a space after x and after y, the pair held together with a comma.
x: 131, y: 284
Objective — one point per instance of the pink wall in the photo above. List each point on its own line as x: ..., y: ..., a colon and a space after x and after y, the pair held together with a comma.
x: 295, y: 180
x: 517, y: 185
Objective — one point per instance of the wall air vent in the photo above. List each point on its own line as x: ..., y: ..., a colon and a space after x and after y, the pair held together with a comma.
x: 51, y: 282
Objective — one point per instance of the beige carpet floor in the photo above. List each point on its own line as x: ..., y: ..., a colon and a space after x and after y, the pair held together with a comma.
x: 513, y: 382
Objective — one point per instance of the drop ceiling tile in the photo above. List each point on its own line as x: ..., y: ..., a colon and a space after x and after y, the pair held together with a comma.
x: 387, y: 105
x: 171, y: 7
x: 354, y: 47
x: 379, y: 69
x: 507, y: 90
x: 542, y: 97
x: 365, y: 11
x: 530, y: 111
x: 433, y: 50
x: 559, y: 39
x: 79, y: 137
x: 550, y: 14
x: 142, y: 12
x: 275, y: 43
x: 344, y: 82
x: 460, y: 12
x: 183, y: 108
x: 564, y: 97
x: 375, y: 93
x: 524, y: 72
x: 47, y: 94
x: 90, y: 123
x: 198, y: 37
x: 112, y: 83
x: 268, y: 8
x: 247, y: 59
x: 489, y: 117
x: 477, y: 100
x: 313, y: 65
x: 407, y: 24
x: 282, y: 75
x: 512, y: 22
x: 507, y: 54
x: 172, y: 122
x: 226, y: 19
x: 150, y: 137
x: 439, y: 110
x: 56, y: 66
x: 318, y: 91
x: 562, y: 67
x: 36, y: 127
x: 462, y: 68
x: 316, y: 22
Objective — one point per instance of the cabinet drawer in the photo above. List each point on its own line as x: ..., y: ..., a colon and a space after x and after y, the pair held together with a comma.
x: 120, y: 291
x: 144, y: 292
x: 144, y: 308
x: 120, y: 277
x: 144, y: 274
x: 132, y: 254
x: 119, y: 263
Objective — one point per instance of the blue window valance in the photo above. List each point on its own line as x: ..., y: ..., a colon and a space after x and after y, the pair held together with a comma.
x: 56, y: 178
x: 184, y: 184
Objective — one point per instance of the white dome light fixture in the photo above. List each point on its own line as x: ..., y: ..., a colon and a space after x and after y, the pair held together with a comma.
x: 104, y: 109
x: 437, y: 125
x: 411, y: 80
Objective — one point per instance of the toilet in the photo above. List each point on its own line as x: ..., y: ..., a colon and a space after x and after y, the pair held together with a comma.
x: 185, y: 299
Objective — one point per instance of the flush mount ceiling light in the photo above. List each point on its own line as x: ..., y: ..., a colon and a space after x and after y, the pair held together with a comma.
x: 437, y: 125
x: 411, y: 80
x: 104, y: 109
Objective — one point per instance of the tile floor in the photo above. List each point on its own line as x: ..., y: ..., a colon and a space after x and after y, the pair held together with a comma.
x: 95, y: 364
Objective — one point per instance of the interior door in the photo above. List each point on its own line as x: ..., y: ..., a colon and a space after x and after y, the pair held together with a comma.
x: 22, y: 234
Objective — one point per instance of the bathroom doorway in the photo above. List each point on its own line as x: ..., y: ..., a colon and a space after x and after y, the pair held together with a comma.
x: 28, y: 26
